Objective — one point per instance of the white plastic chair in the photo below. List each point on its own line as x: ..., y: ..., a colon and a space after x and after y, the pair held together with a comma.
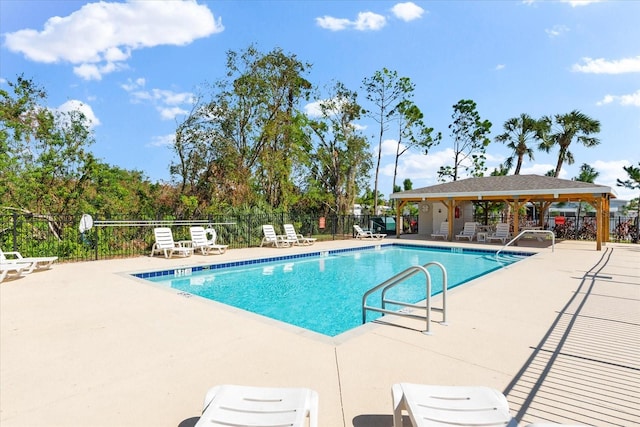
x: 200, y: 241
x: 15, y: 268
x: 33, y: 262
x: 297, y: 239
x: 434, y: 405
x: 165, y: 244
x: 469, y: 231
x: 235, y: 405
x: 362, y: 234
x: 502, y: 233
x: 444, y: 231
x: 271, y: 238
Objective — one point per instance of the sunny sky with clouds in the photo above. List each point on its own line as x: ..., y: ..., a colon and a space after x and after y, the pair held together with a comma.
x: 135, y: 68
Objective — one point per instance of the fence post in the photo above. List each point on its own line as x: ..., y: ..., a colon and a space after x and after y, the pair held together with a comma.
x: 97, y: 241
x: 15, y: 231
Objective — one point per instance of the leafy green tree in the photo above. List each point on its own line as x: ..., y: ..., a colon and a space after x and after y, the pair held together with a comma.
x: 386, y: 91
x: 501, y: 170
x: 341, y: 159
x: 407, y: 185
x: 587, y: 174
x: 243, y: 143
x: 413, y: 133
x: 45, y: 158
x: 569, y: 127
x: 633, y: 183
x: 469, y: 134
x: 519, y: 134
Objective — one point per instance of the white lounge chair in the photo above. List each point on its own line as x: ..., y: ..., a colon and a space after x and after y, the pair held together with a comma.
x: 165, y: 244
x: 444, y: 231
x: 433, y: 405
x: 13, y: 268
x: 469, y: 231
x: 362, y: 234
x: 297, y: 239
x: 556, y: 425
x: 502, y: 233
x: 200, y: 241
x: 234, y: 405
x: 271, y: 238
x: 35, y: 263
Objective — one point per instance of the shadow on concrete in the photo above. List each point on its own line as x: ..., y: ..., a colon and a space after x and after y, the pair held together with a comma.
x: 189, y: 422
x: 586, y: 369
x: 374, y: 420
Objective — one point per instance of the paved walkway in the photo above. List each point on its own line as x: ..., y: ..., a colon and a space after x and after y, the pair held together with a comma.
x: 84, y: 344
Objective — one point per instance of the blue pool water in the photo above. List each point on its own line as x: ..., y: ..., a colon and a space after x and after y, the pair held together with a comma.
x: 323, y: 292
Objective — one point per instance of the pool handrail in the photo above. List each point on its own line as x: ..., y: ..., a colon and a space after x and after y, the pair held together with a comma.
x: 399, y: 278
x: 523, y: 232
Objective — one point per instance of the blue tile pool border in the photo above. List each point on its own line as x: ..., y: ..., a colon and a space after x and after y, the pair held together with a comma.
x: 181, y: 271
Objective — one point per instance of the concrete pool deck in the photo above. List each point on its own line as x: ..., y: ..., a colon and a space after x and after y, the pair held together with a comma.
x: 84, y: 344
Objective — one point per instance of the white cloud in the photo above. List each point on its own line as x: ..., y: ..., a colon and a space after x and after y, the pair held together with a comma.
x: 420, y: 168
x: 366, y: 21
x: 389, y: 147
x: 557, y: 30
x: 407, y: 11
x: 171, y: 112
x: 167, y: 102
x: 632, y: 99
x: 313, y: 110
x: 542, y: 169
x: 99, y: 37
x: 162, y: 140
x: 577, y: 3
x: 610, y: 172
x: 75, y: 105
x: 602, y: 66
x: 500, y: 67
x: 369, y: 21
x: 333, y: 24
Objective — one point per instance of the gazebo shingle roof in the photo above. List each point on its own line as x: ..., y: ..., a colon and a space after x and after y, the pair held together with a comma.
x: 508, y: 185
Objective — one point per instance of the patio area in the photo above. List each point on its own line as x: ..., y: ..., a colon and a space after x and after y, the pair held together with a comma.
x: 85, y: 344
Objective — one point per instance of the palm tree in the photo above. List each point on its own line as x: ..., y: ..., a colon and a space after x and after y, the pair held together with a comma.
x: 587, y: 174
x: 574, y: 125
x: 518, y: 133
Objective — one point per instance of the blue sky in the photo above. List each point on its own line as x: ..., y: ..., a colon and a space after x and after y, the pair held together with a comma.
x: 134, y: 67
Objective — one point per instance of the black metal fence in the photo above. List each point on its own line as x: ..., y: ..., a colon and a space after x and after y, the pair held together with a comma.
x: 60, y: 235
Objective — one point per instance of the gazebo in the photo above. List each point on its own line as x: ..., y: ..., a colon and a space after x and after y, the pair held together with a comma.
x: 515, y: 190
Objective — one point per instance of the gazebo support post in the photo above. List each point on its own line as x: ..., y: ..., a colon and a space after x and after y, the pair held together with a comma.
x: 399, y: 207
x: 451, y: 207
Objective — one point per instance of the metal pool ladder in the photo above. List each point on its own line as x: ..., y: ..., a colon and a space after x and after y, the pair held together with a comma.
x: 401, y: 277
x: 522, y: 233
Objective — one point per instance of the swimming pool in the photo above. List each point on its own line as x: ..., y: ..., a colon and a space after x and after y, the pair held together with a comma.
x: 323, y: 291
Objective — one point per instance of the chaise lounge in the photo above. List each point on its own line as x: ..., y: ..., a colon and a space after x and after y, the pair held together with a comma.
x: 362, y: 234
x: 200, y: 241
x: 35, y: 263
x: 444, y: 231
x: 296, y: 238
x: 435, y: 405
x: 165, y: 244
x: 271, y: 238
x: 13, y: 268
x: 502, y: 233
x: 469, y: 231
x: 235, y: 405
